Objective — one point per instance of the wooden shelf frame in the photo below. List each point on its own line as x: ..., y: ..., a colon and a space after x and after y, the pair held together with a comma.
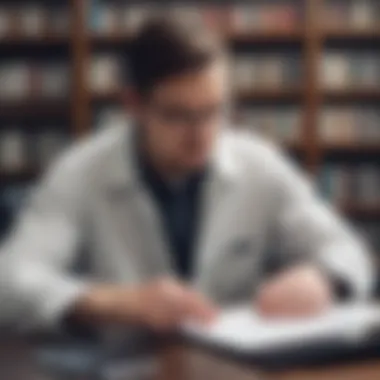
x: 309, y: 37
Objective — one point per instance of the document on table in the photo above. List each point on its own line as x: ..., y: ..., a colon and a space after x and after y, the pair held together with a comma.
x: 242, y: 329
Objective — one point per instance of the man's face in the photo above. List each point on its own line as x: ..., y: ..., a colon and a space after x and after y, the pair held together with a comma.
x: 182, y: 117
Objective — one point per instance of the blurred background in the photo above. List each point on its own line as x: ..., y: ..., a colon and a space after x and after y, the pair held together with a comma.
x: 306, y: 73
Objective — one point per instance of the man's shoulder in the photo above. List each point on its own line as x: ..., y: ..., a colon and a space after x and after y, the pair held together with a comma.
x: 247, y: 148
x: 88, y: 155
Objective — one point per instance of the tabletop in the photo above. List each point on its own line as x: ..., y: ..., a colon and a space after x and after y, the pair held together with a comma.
x: 183, y: 362
x: 189, y: 363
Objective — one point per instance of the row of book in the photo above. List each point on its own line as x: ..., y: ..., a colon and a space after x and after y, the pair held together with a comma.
x: 22, y: 80
x: 249, y: 71
x: 339, y: 70
x: 281, y: 125
x: 357, y: 14
x: 255, y: 71
x: 349, y: 125
x: 20, y: 150
x: 33, y: 19
x: 345, y: 69
x: 107, y: 18
x: 338, y: 126
x: 354, y: 184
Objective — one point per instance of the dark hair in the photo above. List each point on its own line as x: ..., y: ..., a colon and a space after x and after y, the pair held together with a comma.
x: 164, y: 47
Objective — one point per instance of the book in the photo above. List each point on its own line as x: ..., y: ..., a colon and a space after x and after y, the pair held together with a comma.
x: 105, y: 73
x: 15, y: 81
x: 54, y: 80
x: 349, y: 125
x: 32, y: 19
x: 243, y: 330
x: 243, y: 76
x: 6, y: 21
x: 336, y: 14
x: 335, y: 71
x: 362, y: 15
x: 13, y: 149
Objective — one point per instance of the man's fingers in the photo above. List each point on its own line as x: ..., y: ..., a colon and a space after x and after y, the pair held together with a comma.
x: 181, y: 303
x: 200, y: 308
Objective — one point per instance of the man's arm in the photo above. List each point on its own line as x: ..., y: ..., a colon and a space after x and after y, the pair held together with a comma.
x: 37, y: 290
x: 35, y: 287
x: 330, y: 252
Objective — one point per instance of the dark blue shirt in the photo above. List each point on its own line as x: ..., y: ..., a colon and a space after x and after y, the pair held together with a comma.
x: 179, y: 208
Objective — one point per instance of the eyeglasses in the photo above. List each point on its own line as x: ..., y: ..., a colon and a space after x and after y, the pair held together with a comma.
x: 178, y: 116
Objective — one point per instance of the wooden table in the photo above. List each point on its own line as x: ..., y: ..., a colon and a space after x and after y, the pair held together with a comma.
x: 179, y: 362
x: 194, y: 364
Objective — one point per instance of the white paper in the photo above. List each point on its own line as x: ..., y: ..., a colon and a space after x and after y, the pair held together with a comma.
x: 244, y: 330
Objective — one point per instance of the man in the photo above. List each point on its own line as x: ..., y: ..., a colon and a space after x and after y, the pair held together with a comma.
x: 174, y: 212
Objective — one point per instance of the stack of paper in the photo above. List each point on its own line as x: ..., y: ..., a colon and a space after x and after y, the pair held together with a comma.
x: 244, y: 330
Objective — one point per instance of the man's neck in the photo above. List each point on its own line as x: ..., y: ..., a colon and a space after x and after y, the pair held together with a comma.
x: 168, y: 171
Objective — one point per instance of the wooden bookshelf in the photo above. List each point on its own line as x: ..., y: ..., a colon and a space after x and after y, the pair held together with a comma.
x: 231, y: 36
x: 82, y: 43
x: 257, y: 95
x: 114, y: 96
x: 352, y: 95
x: 35, y: 107
x: 352, y: 148
x: 352, y: 34
x: 19, y: 175
x: 270, y: 94
x: 109, y: 39
x: 266, y: 36
x: 360, y: 211
x: 309, y: 39
x: 42, y: 40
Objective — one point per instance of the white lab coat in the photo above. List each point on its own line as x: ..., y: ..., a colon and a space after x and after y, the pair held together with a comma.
x: 92, y: 199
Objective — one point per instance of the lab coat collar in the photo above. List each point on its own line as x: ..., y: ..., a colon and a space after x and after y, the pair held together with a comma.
x: 123, y: 173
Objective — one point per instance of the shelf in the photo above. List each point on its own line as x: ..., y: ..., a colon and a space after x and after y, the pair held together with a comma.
x: 355, y: 211
x: 353, y: 94
x: 352, y: 34
x: 291, y: 94
x: 108, y: 96
x: 39, y: 107
x: 45, y: 40
x: 257, y: 36
x: 352, y: 148
x: 266, y: 36
x: 21, y: 175
x: 110, y: 39
x: 241, y: 96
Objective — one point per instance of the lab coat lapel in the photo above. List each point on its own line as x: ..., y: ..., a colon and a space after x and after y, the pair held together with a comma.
x: 217, y: 189
x: 135, y: 213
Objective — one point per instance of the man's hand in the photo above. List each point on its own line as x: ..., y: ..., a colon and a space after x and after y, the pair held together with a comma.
x: 161, y: 305
x: 164, y: 304
x: 299, y: 292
